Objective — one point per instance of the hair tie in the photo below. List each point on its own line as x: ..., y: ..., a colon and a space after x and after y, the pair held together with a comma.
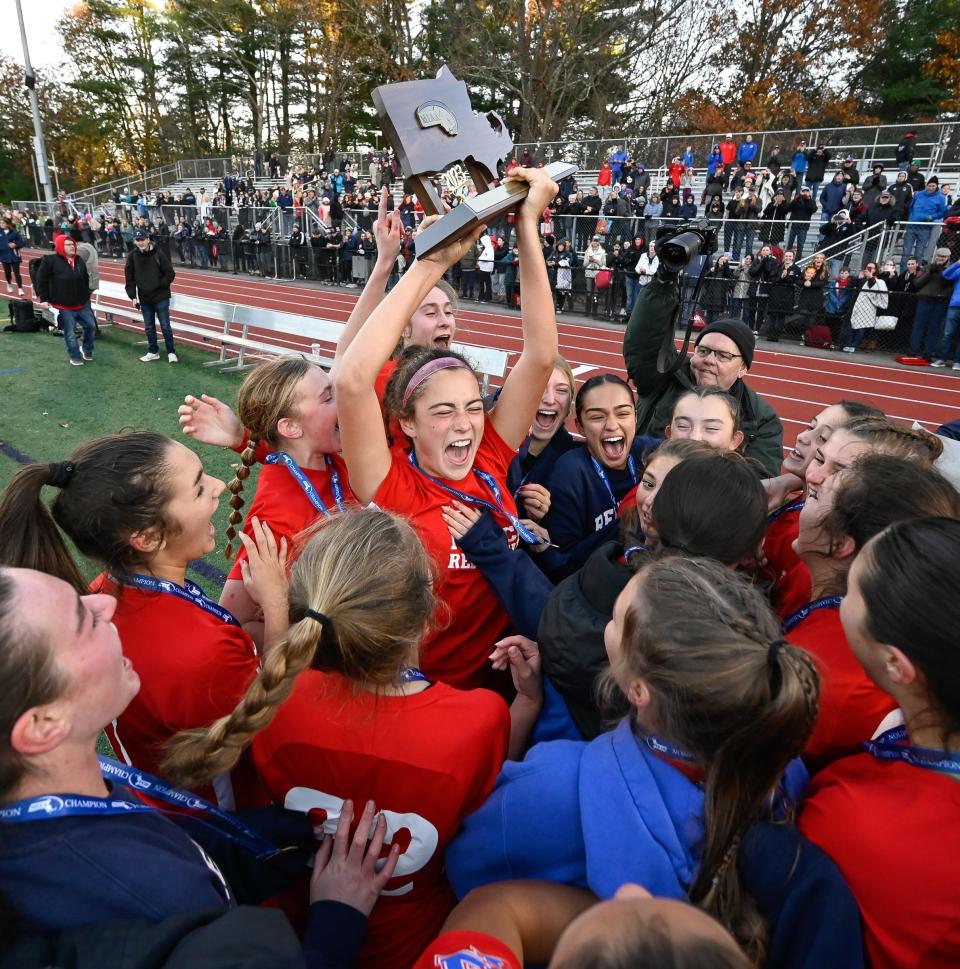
x: 428, y: 370
x: 58, y: 473
x: 318, y: 616
x: 773, y: 661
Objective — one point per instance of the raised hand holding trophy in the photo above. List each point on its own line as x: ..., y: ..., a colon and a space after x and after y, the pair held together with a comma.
x: 434, y: 131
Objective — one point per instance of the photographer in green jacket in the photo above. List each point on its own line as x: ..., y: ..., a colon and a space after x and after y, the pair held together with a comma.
x: 722, y: 357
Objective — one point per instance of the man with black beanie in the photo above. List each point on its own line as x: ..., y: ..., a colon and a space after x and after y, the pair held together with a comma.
x: 722, y: 356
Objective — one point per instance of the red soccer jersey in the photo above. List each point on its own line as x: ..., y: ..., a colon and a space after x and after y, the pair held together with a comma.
x: 789, y: 577
x: 399, y: 440
x: 470, y: 619
x: 426, y: 760
x: 467, y: 950
x: 193, y: 669
x: 285, y: 507
x: 892, y: 830
x: 851, y: 706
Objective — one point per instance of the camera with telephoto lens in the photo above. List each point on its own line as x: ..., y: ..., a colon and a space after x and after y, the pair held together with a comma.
x: 677, y: 245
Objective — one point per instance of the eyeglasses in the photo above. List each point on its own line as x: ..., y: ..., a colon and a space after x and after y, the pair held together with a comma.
x: 723, y: 356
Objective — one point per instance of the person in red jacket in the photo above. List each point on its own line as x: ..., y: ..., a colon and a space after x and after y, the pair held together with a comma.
x: 839, y: 517
x: 728, y: 151
x: 141, y: 506
x: 888, y: 816
x: 677, y: 171
x: 341, y: 714
x: 62, y: 283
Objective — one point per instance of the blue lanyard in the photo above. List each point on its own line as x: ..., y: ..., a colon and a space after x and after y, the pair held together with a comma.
x: 188, y: 591
x: 794, y: 620
x: 529, y: 537
x: 278, y: 457
x: 888, y: 747
x: 412, y: 675
x: 632, y: 550
x: 602, y: 475
x: 50, y: 806
x: 666, y: 749
x: 782, y: 511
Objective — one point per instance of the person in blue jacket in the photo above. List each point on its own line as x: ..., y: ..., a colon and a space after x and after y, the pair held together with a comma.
x: 799, y: 161
x: 928, y: 206
x: 588, y: 483
x: 721, y: 708
x: 714, y: 161
x: 952, y: 275
x: 546, y: 443
x: 747, y: 152
x: 85, y: 839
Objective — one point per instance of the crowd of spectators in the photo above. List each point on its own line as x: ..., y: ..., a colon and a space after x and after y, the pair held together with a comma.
x: 597, y: 240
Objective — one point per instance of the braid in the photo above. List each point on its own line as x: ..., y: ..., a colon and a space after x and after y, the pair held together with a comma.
x: 194, y: 756
x: 247, y: 460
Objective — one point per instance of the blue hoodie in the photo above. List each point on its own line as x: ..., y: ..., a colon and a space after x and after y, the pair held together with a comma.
x: 927, y: 207
x: 747, y: 152
x: 608, y: 812
x: 952, y: 273
x: 832, y: 196
x: 596, y: 815
x: 799, y: 161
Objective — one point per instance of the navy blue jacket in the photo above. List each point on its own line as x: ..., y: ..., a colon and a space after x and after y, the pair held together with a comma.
x: 523, y: 471
x: 140, y: 866
x: 582, y: 515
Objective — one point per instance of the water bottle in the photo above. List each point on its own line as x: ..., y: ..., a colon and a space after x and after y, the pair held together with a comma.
x: 315, y: 351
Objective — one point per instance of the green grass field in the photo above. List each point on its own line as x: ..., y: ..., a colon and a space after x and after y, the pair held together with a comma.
x: 48, y: 407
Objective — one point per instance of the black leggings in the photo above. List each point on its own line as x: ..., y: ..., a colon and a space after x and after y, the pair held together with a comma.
x: 14, y: 269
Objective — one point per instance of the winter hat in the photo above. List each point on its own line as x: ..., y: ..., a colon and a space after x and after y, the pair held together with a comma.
x: 885, y: 194
x: 943, y: 251
x: 736, y: 330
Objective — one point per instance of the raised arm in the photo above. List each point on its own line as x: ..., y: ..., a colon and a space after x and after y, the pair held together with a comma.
x: 387, y: 231
x: 525, y: 383
x: 362, y: 434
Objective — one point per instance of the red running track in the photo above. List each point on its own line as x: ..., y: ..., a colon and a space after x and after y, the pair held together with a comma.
x: 796, y: 384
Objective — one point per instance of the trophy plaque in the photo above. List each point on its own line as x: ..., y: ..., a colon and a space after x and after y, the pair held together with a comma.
x: 435, y: 132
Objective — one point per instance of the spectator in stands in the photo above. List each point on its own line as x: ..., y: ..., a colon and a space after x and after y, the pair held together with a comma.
x: 730, y: 223
x: 801, y: 210
x: 817, y: 160
x: 783, y: 297
x: 717, y: 285
x: 688, y: 208
x: 902, y: 194
x: 849, y: 170
x: 63, y: 283
x: 714, y: 161
x: 776, y: 160
x: 874, y: 184
x: 915, y: 178
x: 617, y: 157
x: 906, y: 150
x: 879, y: 216
x: 676, y: 171
x: 774, y: 217
x: 933, y: 296
x: 567, y: 261
x: 594, y: 259
x: 952, y: 275
x: 747, y: 152
x: 641, y: 179
x: 148, y: 274
x: 799, y: 160
x: 870, y: 300
x: 742, y: 288
x: 11, y: 242
x: 928, y: 207
x: 728, y: 151
x: 687, y: 158
x: 764, y: 272
x: 833, y: 197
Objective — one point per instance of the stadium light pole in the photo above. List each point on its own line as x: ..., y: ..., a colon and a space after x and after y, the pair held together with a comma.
x: 30, y: 82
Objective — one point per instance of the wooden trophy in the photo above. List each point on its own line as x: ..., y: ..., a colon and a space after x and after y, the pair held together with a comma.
x: 434, y: 131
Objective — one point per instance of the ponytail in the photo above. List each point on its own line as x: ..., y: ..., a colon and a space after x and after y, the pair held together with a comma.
x: 729, y: 691
x: 111, y: 488
x: 361, y: 596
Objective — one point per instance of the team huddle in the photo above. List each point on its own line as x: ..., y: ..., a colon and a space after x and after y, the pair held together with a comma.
x: 479, y: 691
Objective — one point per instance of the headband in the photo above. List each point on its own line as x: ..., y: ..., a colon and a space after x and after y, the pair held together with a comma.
x: 58, y: 473
x: 428, y: 370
